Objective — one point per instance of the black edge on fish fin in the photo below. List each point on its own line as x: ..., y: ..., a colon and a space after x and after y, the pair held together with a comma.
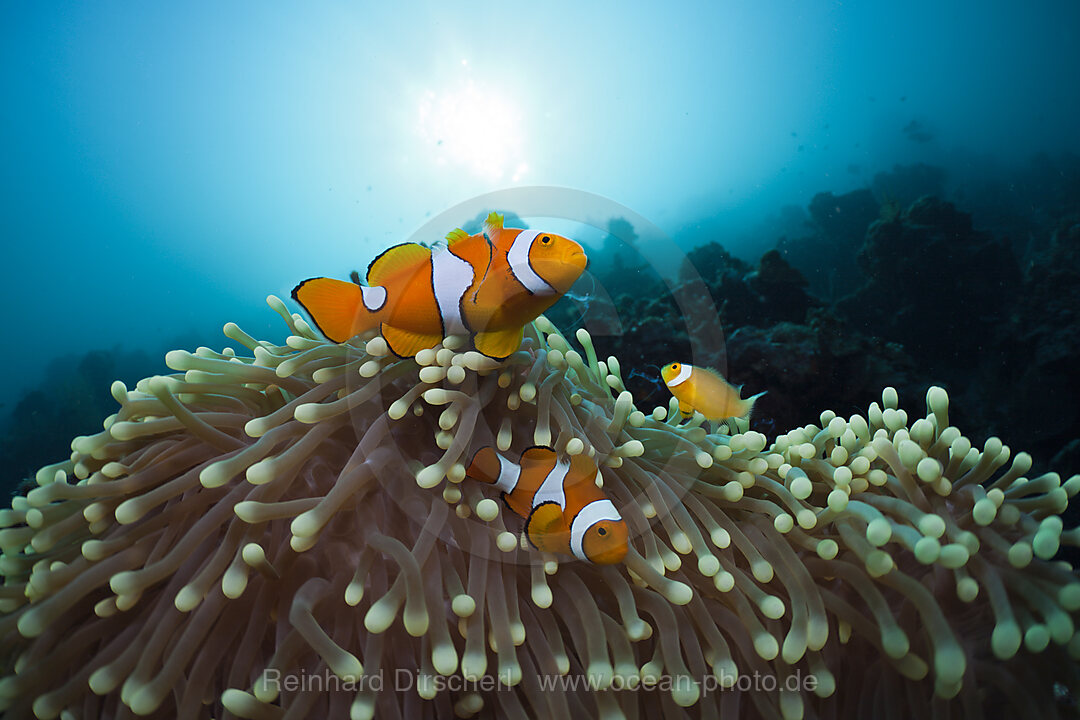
x: 529, y: 521
x: 296, y: 296
x: 401, y: 341
x: 416, y: 251
x: 500, y: 344
x: 337, y: 303
x: 442, y: 321
x: 529, y: 451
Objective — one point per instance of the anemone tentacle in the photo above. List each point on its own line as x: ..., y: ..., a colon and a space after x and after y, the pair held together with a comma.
x: 301, y: 511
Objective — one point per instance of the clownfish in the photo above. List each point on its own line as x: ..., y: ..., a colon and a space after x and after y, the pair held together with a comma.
x: 703, y: 390
x: 565, y: 512
x: 487, y: 286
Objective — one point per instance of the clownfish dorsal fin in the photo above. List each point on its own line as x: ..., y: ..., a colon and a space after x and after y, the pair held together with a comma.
x: 493, y: 224
x: 500, y: 344
x: 537, y: 455
x: 394, y: 260
x: 720, y: 379
x: 546, y: 528
x: 710, y: 371
x: 454, y: 236
x: 404, y: 343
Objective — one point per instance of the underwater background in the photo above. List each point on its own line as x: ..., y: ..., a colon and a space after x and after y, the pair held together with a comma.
x: 871, y: 194
x: 843, y: 208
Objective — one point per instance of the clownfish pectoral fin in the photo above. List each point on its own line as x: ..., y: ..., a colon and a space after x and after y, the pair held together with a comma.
x: 406, y: 344
x: 455, y: 235
x: 500, y: 344
x: 485, y: 465
x: 394, y: 260
x: 336, y: 307
x: 546, y: 528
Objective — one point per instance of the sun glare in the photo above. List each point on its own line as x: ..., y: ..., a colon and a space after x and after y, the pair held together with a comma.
x: 476, y: 128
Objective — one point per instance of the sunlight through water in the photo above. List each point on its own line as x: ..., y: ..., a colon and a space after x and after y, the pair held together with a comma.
x: 474, y: 127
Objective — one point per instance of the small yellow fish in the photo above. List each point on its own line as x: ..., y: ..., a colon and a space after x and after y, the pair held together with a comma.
x: 703, y: 390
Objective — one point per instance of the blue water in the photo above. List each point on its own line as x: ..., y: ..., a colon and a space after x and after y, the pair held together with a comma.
x: 167, y: 166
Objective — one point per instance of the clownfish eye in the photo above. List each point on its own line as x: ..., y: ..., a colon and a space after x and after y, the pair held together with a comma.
x: 546, y: 239
x: 601, y: 531
x: 674, y: 366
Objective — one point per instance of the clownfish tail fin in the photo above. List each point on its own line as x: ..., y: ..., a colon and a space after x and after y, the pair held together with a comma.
x: 338, y: 308
x: 748, y: 403
x: 485, y: 466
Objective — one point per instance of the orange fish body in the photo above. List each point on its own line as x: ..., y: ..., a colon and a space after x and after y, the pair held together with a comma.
x: 485, y: 286
x: 705, y: 391
x: 519, y: 258
x: 564, y: 510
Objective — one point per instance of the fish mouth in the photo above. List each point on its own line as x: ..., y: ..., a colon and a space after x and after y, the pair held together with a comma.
x: 610, y: 556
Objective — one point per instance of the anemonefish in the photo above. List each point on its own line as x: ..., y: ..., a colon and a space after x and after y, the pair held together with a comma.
x: 703, y: 390
x: 564, y: 510
x: 487, y: 286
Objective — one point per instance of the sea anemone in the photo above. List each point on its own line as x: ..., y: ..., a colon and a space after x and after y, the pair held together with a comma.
x: 288, y: 532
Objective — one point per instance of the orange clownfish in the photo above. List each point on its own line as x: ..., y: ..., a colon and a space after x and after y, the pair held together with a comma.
x: 703, y: 390
x: 565, y: 512
x: 487, y: 286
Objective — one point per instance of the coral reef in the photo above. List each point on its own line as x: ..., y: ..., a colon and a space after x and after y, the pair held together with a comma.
x: 827, y: 259
x: 1036, y: 200
x: 813, y: 364
x: 299, y: 512
x: 1043, y: 344
x: 931, y: 265
x: 930, y: 299
x: 905, y: 184
x: 780, y: 337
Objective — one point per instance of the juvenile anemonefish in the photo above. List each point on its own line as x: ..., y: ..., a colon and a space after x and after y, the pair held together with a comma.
x: 703, y: 390
x: 565, y: 512
x: 487, y: 286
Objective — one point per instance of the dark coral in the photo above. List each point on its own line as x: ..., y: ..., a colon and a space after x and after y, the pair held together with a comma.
x: 71, y: 401
x: 817, y: 362
x: 827, y: 258
x: 1045, y: 340
x: 928, y: 298
x: 906, y: 183
x: 935, y: 285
